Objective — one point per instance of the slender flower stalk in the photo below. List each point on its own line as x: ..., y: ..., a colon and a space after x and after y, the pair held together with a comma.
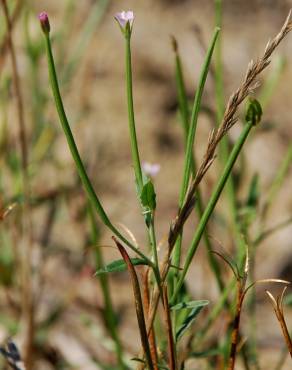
x: 72, y: 145
x: 125, y: 21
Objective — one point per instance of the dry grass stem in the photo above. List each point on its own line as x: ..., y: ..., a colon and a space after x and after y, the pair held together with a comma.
x: 279, y: 311
x: 172, y: 361
x: 146, y: 301
x: 27, y: 233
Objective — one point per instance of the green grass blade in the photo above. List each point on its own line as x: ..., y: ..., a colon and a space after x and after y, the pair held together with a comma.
x: 253, y: 117
x: 191, y: 135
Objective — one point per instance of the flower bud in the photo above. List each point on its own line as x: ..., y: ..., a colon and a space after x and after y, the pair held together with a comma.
x: 151, y: 169
x: 125, y: 20
x: 45, y: 23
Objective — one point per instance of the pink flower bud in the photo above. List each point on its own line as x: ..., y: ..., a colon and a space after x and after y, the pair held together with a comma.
x: 44, y: 20
x: 150, y: 169
x: 124, y: 18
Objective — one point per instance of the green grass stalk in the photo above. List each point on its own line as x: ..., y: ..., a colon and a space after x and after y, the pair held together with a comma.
x: 87, y: 31
x: 191, y: 136
x: 224, y: 148
x: 184, y: 113
x: 212, y: 203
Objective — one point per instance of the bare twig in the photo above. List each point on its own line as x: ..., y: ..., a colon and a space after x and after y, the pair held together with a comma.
x: 279, y: 311
x: 16, y: 80
x: 171, y: 347
x: 146, y: 300
x: 27, y: 294
x: 138, y: 304
x: 4, y: 47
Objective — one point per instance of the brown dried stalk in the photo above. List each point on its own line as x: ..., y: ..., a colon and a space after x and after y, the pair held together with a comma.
x: 28, y: 301
x: 146, y: 300
x: 229, y: 119
x: 138, y: 303
x: 279, y: 311
x: 170, y: 340
x: 5, y: 43
x: 16, y: 80
x: 236, y: 323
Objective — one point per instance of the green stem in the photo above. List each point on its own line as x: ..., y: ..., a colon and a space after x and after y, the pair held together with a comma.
x: 152, y: 238
x: 76, y: 156
x: 184, y: 113
x: 132, y: 128
x: 219, y: 90
x: 135, y: 150
x: 225, y: 145
x: 191, y: 135
x: 104, y: 283
x: 211, y: 205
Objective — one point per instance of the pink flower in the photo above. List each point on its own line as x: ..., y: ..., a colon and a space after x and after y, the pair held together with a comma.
x: 45, y: 23
x: 123, y: 18
x: 151, y: 169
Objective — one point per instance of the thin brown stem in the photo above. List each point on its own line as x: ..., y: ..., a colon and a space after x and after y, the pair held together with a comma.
x: 146, y: 300
x: 138, y: 304
x: 27, y: 234
x: 235, y: 328
x: 279, y: 311
x: 16, y: 80
x: 4, y: 47
x: 172, y: 361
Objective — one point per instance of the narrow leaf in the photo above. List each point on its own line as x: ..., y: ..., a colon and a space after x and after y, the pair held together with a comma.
x: 207, y: 353
x: 119, y: 266
x: 188, y: 322
x: 190, y: 304
x: 253, y: 194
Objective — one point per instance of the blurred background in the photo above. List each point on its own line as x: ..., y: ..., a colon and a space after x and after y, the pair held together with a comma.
x: 67, y: 330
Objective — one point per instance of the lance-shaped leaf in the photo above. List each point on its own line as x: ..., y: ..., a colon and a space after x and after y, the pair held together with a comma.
x: 138, y: 303
x: 119, y: 266
x: 188, y: 322
x: 190, y: 304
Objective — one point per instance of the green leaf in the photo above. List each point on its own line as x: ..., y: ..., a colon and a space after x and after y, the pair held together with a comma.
x: 119, y: 266
x: 207, y: 353
x: 253, y: 194
x: 190, y: 304
x: 188, y: 322
x: 148, y: 196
